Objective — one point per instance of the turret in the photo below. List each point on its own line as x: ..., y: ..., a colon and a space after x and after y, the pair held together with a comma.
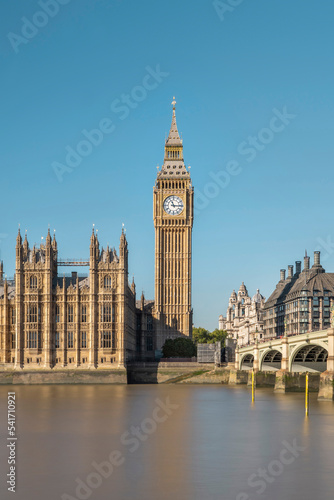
x: 242, y: 291
x: 123, y: 250
x: 92, y: 249
x: 233, y: 297
x: 25, y: 246
x: 133, y: 286
x: 54, y: 243
x: 19, y: 250
x: 48, y: 248
x: 97, y: 247
x: 48, y: 240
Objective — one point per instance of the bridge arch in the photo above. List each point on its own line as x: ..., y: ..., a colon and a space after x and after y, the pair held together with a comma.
x: 309, y: 356
x: 247, y: 361
x: 270, y: 359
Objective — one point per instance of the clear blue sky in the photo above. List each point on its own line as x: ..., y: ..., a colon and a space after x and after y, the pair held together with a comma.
x: 228, y: 75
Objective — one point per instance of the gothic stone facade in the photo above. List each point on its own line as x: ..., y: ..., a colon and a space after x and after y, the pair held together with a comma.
x: 170, y: 314
x: 94, y: 321
x: 244, y: 316
x: 56, y: 322
x: 173, y: 221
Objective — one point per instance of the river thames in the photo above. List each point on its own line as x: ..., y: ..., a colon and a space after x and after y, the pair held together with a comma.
x: 164, y: 442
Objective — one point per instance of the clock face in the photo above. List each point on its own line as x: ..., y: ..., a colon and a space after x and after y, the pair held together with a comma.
x: 173, y: 205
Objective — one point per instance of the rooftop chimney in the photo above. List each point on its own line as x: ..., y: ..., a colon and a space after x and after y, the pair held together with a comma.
x: 298, y: 266
x: 282, y: 275
x: 317, y: 258
x: 306, y: 262
x: 290, y: 271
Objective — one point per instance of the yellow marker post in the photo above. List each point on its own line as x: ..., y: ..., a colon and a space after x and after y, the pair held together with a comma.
x: 253, y: 387
x: 306, y: 395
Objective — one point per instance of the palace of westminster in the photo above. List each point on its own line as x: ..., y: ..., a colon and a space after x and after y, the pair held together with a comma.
x: 51, y: 321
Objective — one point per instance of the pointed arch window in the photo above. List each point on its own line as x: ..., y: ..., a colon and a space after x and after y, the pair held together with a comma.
x: 107, y: 282
x: 105, y: 313
x: 70, y: 342
x: 32, y: 314
x: 57, y: 341
x: 105, y: 340
x: 33, y: 282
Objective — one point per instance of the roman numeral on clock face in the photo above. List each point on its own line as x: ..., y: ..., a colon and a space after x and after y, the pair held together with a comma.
x: 173, y: 205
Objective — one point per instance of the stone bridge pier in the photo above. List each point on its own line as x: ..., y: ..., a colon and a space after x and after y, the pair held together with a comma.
x: 288, y: 359
x: 326, y: 390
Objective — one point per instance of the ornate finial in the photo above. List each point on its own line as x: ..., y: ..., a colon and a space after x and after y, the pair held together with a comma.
x: 173, y: 102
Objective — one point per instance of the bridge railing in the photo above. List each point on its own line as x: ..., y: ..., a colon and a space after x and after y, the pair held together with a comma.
x: 270, y: 339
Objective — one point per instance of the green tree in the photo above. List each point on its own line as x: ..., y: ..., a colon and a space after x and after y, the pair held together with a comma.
x: 203, y: 336
x: 180, y: 347
x: 219, y: 336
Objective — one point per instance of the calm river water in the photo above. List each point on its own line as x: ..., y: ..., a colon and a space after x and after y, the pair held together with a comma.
x: 175, y: 442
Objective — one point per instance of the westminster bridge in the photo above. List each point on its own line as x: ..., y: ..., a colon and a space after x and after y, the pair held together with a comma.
x: 312, y: 352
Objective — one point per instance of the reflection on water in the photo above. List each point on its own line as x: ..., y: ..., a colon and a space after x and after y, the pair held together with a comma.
x: 214, y: 445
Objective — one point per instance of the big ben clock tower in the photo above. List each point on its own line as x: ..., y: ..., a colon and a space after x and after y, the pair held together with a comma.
x: 173, y: 220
